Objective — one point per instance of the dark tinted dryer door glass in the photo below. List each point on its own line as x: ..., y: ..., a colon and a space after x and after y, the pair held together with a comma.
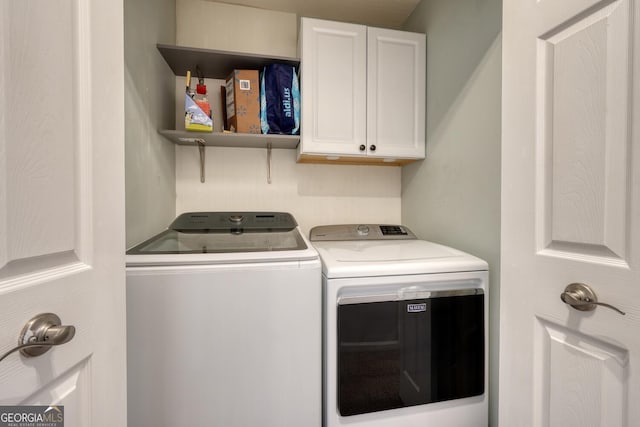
x: 403, y: 353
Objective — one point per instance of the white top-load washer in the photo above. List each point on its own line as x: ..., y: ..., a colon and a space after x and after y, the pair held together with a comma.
x: 405, y: 329
x: 224, y: 324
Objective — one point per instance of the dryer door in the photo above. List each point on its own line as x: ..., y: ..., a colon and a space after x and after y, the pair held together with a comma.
x: 395, y: 352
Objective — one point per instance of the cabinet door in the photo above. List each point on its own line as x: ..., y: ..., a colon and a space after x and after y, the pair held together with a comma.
x: 396, y: 94
x: 333, y: 87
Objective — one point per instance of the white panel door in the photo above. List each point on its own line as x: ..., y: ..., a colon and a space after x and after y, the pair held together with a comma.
x: 570, y: 213
x: 62, y: 203
x: 396, y: 80
x: 333, y: 84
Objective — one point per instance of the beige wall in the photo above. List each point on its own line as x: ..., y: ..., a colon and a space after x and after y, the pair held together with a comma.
x: 453, y: 197
x: 212, y: 25
x: 314, y: 194
x: 236, y: 178
x: 149, y: 95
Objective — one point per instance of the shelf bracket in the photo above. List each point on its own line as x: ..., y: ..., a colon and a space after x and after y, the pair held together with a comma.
x: 269, y: 163
x: 201, y: 150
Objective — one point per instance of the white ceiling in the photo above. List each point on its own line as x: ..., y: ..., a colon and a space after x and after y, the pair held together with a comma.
x: 381, y: 13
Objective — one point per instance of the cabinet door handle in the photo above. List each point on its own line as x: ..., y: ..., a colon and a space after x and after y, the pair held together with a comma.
x: 362, y: 147
x: 372, y: 148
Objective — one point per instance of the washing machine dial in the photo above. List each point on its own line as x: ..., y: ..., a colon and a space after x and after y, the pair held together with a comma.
x: 363, y: 230
x: 236, y: 219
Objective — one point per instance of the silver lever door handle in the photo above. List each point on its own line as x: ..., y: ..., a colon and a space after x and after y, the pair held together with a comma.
x: 581, y: 297
x: 40, y: 334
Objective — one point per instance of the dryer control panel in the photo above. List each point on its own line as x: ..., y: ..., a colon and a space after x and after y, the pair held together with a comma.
x: 349, y: 232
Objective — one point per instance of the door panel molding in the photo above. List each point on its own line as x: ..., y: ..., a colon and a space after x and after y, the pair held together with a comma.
x: 72, y: 390
x: 32, y: 272
x: 47, y: 185
x: 582, y: 367
x: 582, y: 177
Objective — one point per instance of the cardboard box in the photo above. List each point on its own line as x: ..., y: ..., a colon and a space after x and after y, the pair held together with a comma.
x: 243, y: 101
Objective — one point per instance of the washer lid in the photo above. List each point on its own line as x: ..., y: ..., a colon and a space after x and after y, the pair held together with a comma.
x: 391, y: 258
x: 225, y: 232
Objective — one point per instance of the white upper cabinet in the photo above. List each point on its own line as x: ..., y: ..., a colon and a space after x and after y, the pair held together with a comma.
x: 362, y: 94
x: 396, y: 94
x: 333, y: 87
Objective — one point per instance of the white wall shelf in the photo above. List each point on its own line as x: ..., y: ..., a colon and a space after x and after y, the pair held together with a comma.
x: 219, y: 139
x: 216, y: 64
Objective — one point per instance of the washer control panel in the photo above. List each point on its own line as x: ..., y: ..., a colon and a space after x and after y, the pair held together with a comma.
x: 348, y: 232
x: 363, y: 230
x: 225, y: 222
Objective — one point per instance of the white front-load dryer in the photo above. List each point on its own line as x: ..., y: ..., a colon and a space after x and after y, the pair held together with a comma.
x: 405, y: 330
